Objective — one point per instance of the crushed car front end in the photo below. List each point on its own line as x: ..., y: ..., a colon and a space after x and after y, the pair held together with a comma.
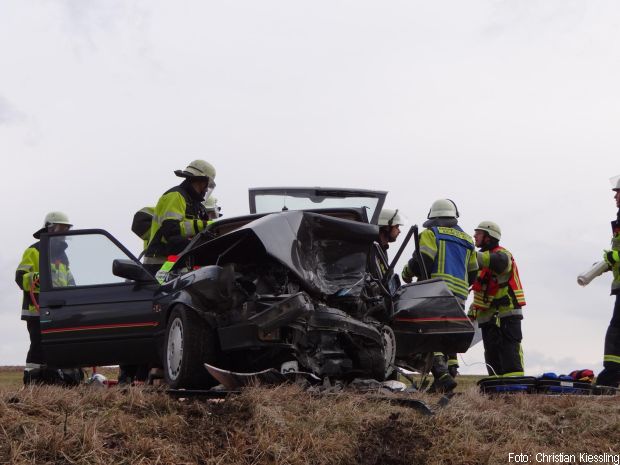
x: 290, y: 288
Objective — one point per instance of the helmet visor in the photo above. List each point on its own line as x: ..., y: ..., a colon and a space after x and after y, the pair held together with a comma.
x: 209, y: 191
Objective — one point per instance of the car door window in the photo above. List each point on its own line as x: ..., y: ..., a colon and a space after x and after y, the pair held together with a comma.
x: 83, y: 260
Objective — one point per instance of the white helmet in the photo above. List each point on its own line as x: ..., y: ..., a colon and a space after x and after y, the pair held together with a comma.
x: 197, y: 169
x: 491, y: 228
x: 615, y: 183
x: 390, y: 217
x: 50, y: 219
x: 443, y: 208
x: 211, y: 204
x: 56, y: 218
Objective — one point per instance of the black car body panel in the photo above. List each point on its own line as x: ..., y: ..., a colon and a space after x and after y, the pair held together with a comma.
x: 271, y: 285
x: 96, y: 324
x: 297, y: 286
x: 326, y: 254
x: 427, y: 316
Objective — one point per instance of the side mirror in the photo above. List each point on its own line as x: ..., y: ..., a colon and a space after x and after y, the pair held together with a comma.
x: 129, y: 269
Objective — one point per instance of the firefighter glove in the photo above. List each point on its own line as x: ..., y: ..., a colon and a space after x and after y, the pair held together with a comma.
x: 611, y: 257
x: 406, y: 274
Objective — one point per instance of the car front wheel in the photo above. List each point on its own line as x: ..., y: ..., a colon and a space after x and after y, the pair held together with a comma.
x: 190, y: 342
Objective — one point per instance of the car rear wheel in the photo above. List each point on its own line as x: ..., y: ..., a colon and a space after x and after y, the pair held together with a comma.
x: 190, y: 342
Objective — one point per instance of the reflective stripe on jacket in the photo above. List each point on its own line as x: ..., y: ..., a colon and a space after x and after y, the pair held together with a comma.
x: 24, y: 275
x: 60, y: 274
x: 615, y: 245
x: 185, y: 216
x: 452, y: 252
x: 500, y: 292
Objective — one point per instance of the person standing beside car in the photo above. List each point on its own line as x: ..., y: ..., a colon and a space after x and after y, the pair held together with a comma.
x: 180, y: 214
x: 498, y: 303
x: 27, y: 278
x: 446, y: 252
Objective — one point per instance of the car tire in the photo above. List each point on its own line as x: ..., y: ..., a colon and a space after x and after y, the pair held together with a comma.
x: 190, y: 342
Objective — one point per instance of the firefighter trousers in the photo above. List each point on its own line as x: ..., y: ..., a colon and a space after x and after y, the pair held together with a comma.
x: 502, y: 346
x: 610, y: 376
x: 35, y: 352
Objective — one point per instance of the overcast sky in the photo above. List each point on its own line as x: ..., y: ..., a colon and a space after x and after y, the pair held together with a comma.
x: 509, y: 108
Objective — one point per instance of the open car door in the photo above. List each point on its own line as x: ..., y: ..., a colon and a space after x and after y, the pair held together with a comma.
x: 90, y: 316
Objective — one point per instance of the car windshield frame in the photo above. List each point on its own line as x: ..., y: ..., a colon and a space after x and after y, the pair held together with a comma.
x: 311, y: 196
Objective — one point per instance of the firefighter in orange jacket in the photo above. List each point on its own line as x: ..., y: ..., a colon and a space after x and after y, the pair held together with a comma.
x: 498, y: 303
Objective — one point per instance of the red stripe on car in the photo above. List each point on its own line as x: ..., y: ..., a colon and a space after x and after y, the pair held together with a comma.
x: 97, y: 327
x: 439, y: 318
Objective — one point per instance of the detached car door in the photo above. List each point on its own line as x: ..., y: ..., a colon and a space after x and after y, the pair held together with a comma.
x: 90, y: 316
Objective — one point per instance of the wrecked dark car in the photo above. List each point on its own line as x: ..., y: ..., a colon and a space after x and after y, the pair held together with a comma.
x: 299, y: 285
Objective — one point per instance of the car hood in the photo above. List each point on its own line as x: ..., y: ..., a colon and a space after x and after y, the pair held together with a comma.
x: 328, y: 255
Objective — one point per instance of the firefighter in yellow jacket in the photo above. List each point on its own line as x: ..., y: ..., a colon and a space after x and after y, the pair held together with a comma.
x: 498, y: 303
x: 446, y: 252
x: 610, y: 376
x: 27, y: 278
x: 180, y: 214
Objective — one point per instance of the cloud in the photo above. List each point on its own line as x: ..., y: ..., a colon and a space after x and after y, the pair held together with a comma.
x: 534, y: 18
x: 98, y: 24
x: 9, y: 114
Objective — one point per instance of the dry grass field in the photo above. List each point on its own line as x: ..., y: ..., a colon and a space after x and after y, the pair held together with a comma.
x: 285, y: 425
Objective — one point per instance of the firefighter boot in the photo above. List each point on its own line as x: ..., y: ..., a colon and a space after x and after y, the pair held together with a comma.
x: 442, y: 382
x: 610, y: 376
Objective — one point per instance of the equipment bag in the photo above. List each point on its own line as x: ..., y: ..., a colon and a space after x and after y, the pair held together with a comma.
x: 563, y: 386
x: 507, y: 385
